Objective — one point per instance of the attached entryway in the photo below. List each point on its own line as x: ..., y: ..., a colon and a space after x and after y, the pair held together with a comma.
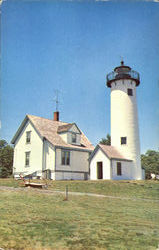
x: 47, y: 174
x: 100, y: 170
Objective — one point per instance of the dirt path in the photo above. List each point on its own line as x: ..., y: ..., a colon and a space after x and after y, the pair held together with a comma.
x: 54, y: 192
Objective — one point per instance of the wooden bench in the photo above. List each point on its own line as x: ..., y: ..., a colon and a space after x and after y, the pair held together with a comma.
x: 33, y: 184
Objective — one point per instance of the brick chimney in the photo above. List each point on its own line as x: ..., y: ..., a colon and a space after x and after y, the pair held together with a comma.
x: 56, y: 116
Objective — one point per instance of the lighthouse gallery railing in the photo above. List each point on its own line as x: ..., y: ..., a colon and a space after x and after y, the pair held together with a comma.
x: 123, y: 75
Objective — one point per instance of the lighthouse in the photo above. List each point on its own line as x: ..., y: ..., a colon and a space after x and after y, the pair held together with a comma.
x: 123, y: 82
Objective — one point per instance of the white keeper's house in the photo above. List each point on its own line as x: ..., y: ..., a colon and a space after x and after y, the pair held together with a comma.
x: 52, y: 149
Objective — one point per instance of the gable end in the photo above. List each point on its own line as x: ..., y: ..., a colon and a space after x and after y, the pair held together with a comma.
x: 21, y: 127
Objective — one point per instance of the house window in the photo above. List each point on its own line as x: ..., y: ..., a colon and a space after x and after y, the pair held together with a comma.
x: 28, y: 136
x: 130, y: 92
x: 123, y: 140
x: 27, y: 159
x: 119, y: 168
x: 65, y: 157
x: 74, y: 138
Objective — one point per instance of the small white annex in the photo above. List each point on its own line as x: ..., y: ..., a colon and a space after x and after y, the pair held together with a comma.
x: 107, y: 163
x: 52, y: 149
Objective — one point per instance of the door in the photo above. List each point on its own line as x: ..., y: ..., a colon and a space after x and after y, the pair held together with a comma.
x: 100, y: 170
x: 47, y: 174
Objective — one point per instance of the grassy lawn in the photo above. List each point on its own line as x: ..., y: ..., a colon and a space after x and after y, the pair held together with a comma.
x: 133, y: 189
x: 33, y: 220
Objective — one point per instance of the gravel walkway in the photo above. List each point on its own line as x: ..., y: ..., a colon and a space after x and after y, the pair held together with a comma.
x: 53, y: 192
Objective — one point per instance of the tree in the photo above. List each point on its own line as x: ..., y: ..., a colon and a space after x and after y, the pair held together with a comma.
x: 150, y: 162
x: 6, y: 159
x: 106, y: 141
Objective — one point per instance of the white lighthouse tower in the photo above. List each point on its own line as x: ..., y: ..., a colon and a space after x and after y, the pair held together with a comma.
x: 124, y: 118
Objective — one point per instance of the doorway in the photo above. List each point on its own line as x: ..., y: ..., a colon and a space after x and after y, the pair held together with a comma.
x: 100, y: 170
x: 47, y: 174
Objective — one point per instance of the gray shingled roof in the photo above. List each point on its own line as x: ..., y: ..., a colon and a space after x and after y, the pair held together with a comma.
x: 112, y: 152
x: 64, y: 128
x: 49, y: 129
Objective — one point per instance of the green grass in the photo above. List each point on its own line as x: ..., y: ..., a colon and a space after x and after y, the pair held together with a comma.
x: 10, y: 182
x: 30, y: 220
x: 133, y: 189
x: 33, y: 220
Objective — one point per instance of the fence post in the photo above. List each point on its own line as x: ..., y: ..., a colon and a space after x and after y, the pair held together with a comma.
x: 66, y: 192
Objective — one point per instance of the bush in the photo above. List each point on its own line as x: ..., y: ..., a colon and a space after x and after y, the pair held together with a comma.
x: 6, y: 159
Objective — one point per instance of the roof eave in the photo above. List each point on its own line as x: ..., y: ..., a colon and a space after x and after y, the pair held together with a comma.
x: 76, y: 127
x: 72, y: 148
x: 26, y: 119
x: 93, y: 152
x: 105, y: 153
x: 19, y: 129
x: 120, y: 159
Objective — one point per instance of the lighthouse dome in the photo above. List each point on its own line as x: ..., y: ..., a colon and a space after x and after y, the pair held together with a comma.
x: 122, y: 72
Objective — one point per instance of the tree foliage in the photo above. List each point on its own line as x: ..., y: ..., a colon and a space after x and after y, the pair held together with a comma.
x: 106, y: 141
x: 150, y: 162
x: 6, y: 159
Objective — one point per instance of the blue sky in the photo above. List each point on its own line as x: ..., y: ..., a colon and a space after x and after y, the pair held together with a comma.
x: 71, y: 46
